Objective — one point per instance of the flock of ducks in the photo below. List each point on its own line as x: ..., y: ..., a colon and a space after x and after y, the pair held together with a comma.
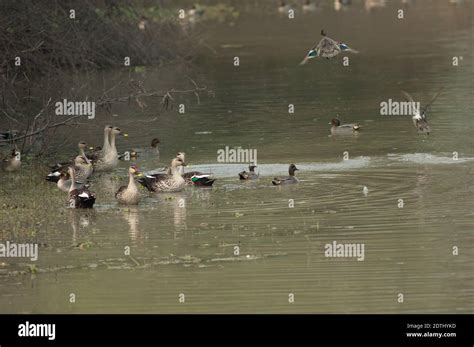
x: 72, y: 177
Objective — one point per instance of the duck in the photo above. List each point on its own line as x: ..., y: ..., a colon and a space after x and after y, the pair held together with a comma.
x: 145, y: 152
x: 309, y: 6
x: 79, y: 197
x: 338, y: 129
x: 327, y: 48
x: 283, y: 7
x: 196, y: 11
x: 12, y: 162
x: 143, y: 23
x: 107, y: 158
x: 419, y: 117
x: 129, y: 194
x: 82, y: 170
x: 251, y: 175
x: 82, y: 145
x: 64, y: 181
x: 164, y: 182
x: 277, y: 181
x: 193, y: 178
x: 80, y: 159
x: 374, y: 4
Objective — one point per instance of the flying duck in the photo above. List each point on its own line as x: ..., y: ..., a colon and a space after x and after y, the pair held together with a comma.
x: 419, y: 118
x: 327, y: 48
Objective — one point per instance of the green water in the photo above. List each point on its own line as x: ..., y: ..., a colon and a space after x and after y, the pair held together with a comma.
x: 184, y: 243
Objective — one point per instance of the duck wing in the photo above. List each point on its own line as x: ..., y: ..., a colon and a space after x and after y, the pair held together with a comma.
x: 190, y: 174
x: 120, y: 191
x: 423, y: 113
x: 151, y: 181
x: 244, y: 175
x: 202, y: 180
x: 81, y: 198
x: 407, y: 96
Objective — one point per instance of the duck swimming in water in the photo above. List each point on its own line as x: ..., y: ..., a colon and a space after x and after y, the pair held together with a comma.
x: 419, y: 118
x: 107, y: 158
x: 193, y: 178
x: 153, y: 151
x: 251, y: 175
x: 344, y: 129
x: 129, y: 195
x: 327, y: 48
x: 283, y: 7
x: 288, y: 179
x: 79, y: 197
x: 309, y: 6
x: 173, y: 182
x: 82, y: 170
x: 81, y: 161
x: 82, y: 145
x: 12, y: 162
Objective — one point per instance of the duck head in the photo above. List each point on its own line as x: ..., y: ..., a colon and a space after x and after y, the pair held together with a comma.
x: 15, y: 155
x: 133, y: 170
x: 117, y: 131
x: 292, y: 169
x: 335, y: 122
x: 181, y: 155
x: 252, y: 167
x: 82, y: 145
x: 155, y: 142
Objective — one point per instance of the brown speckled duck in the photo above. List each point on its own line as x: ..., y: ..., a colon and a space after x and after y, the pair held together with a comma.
x: 173, y: 182
x: 107, y: 158
x: 129, y: 194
